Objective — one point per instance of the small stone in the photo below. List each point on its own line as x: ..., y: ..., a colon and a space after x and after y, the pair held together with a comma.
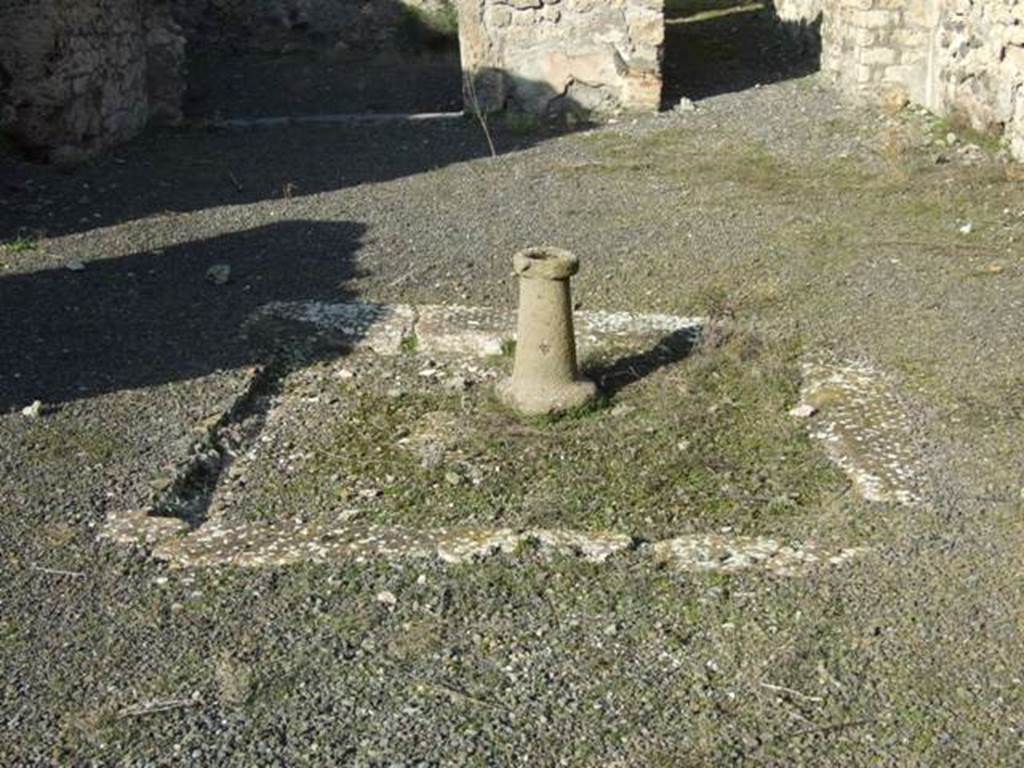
x: 895, y: 100
x: 162, y: 484
x: 453, y: 478
x: 74, y: 265
x: 429, y: 373
x: 345, y: 374
x: 685, y: 105
x: 33, y: 411
x: 219, y: 274
x: 387, y: 598
x: 951, y: 139
x: 803, y: 411
x: 967, y: 228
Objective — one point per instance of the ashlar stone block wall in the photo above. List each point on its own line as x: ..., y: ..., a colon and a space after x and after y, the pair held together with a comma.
x: 563, y: 56
x: 878, y: 47
x: 76, y: 77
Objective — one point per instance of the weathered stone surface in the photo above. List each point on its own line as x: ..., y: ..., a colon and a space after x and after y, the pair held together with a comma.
x: 78, y: 77
x: 979, y: 67
x: 282, y: 544
x: 465, y: 331
x: 551, y: 56
x: 545, y: 378
x: 864, y: 428
x: 454, y: 330
x: 384, y: 328
x: 957, y: 57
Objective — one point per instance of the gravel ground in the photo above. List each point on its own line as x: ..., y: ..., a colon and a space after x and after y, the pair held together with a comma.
x: 830, y: 230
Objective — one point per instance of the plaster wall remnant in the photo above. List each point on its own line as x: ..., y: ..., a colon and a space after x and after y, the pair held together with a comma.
x: 563, y: 56
x: 77, y: 77
x: 801, y: 18
x: 545, y: 378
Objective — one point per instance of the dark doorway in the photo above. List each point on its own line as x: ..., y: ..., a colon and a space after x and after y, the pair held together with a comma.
x: 721, y: 46
x: 329, y: 58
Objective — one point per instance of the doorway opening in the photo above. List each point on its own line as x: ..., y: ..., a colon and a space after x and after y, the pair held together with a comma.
x: 722, y: 46
x: 321, y: 58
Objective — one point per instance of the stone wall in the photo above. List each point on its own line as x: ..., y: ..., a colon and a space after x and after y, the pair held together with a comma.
x: 76, y: 77
x: 554, y: 56
x: 879, y: 47
x: 957, y: 57
x: 978, y: 67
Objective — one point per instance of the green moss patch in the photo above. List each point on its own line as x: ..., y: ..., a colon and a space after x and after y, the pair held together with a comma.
x: 700, y: 442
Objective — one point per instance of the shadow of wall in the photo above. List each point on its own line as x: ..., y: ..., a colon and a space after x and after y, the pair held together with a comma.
x: 257, y: 58
x: 152, y: 318
x: 179, y: 170
x: 723, y: 46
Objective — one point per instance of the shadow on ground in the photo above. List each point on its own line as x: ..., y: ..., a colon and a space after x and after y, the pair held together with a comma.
x: 615, y: 375
x: 155, y: 317
x: 723, y: 46
x: 338, y: 58
x: 254, y: 84
x: 199, y: 168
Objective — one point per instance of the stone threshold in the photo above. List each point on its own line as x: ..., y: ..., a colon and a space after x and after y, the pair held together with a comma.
x: 341, y: 118
x: 392, y: 329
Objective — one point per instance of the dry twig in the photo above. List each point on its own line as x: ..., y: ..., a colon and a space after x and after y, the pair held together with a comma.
x: 790, y: 691
x: 469, y: 78
x: 57, y: 572
x: 156, y: 706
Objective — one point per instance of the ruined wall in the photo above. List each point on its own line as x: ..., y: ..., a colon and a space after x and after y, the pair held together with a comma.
x: 552, y: 56
x: 76, y: 77
x: 959, y: 57
x: 978, y: 67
